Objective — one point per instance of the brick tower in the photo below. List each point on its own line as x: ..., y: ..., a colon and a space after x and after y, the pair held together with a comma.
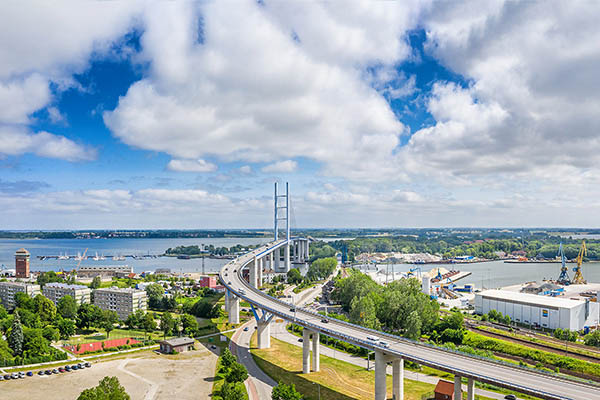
x: 22, y: 263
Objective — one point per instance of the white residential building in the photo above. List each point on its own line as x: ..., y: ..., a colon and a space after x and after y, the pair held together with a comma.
x: 8, y: 291
x: 56, y: 291
x: 123, y: 301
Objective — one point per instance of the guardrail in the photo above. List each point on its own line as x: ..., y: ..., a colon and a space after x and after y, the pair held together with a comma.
x: 242, y: 261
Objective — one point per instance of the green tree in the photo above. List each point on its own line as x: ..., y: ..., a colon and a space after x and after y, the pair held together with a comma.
x: 51, y: 333
x: 23, y: 300
x: 227, y: 359
x: 96, y: 282
x: 363, y: 312
x: 155, y: 294
x: 66, y: 327
x: 237, y: 373
x: 231, y: 391
x: 321, y: 268
x: 108, y: 389
x: 147, y: 323
x: 413, y: 328
x: 204, y: 309
x: 189, y: 324
x: 44, y: 308
x: 167, y: 324
x: 15, y: 338
x: 3, y: 312
x: 88, y: 315
x: 67, y: 307
x: 107, y: 321
x: 285, y: 392
x: 294, y: 276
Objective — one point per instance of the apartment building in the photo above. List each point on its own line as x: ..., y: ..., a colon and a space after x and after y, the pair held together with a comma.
x: 8, y: 291
x: 123, y: 301
x: 56, y: 291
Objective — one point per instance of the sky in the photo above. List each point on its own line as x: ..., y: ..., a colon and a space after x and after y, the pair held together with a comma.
x: 149, y: 115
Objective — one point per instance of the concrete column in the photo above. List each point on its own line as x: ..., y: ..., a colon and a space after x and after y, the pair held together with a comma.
x: 227, y: 294
x: 259, y: 272
x: 306, y: 250
x: 305, y: 351
x: 470, y: 389
x: 278, y: 259
x: 316, y: 352
x: 287, y: 257
x: 271, y: 266
x: 233, y: 313
x: 457, y: 387
x: 264, y: 335
x: 252, y: 274
x: 398, y: 379
x: 380, y: 375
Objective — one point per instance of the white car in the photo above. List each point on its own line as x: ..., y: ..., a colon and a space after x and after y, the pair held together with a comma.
x: 373, y: 338
x: 384, y: 344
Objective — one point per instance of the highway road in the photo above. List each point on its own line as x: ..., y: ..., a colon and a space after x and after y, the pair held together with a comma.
x: 522, y: 380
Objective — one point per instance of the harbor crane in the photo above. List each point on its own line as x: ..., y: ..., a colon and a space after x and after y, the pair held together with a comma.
x: 578, y: 278
x: 563, y: 279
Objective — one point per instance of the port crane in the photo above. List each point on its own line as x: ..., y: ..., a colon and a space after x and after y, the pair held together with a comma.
x: 563, y: 279
x: 578, y: 278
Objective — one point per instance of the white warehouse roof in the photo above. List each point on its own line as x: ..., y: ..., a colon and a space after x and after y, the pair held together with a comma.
x: 531, y: 299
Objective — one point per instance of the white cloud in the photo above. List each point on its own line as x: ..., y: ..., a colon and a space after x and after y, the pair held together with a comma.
x: 45, y: 45
x: 250, y: 92
x: 532, y: 102
x: 281, y: 166
x: 245, y: 169
x: 198, y: 165
x: 15, y: 141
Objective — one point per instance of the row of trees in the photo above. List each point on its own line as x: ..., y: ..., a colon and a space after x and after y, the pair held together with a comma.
x: 400, y: 307
x: 234, y: 373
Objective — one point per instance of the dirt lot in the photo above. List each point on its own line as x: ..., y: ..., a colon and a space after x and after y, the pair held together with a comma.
x: 145, y: 375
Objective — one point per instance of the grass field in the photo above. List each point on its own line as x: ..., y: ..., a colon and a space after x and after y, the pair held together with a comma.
x: 338, y: 380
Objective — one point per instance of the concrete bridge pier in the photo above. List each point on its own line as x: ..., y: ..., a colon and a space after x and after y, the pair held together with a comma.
x: 259, y: 278
x: 457, y: 387
x: 471, y: 389
x: 380, y: 375
x: 398, y: 379
x: 305, y: 351
x: 252, y: 276
x: 287, y: 256
x: 316, y: 353
x: 233, y: 308
x: 264, y: 334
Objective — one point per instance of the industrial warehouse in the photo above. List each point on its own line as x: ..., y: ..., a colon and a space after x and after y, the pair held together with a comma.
x: 539, y: 311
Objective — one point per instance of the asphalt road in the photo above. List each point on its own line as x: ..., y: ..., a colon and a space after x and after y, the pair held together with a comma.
x: 514, y: 378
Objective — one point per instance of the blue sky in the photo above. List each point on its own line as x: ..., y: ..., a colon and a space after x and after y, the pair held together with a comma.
x: 183, y: 115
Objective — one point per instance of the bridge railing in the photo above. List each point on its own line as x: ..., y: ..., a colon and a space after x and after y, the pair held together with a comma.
x: 246, y: 258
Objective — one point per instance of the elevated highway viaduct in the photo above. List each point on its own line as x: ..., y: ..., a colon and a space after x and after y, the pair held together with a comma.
x: 243, y: 277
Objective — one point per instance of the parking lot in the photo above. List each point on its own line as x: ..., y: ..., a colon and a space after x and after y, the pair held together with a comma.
x: 144, y: 375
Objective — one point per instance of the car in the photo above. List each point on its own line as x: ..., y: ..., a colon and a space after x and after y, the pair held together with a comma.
x: 510, y: 397
x: 325, y: 321
x: 14, y: 375
x: 246, y: 329
x: 80, y: 365
x: 40, y: 372
x: 21, y: 374
x: 229, y: 283
x: 29, y: 373
x: 87, y: 364
x: 68, y: 368
x: 292, y: 310
x: 1, y: 378
x: 61, y: 370
x: 7, y: 377
x: 235, y: 270
x: 373, y: 338
x: 301, y: 340
x: 74, y: 366
x: 55, y: 371
x: 213, y: 347
x: 47, y: 372
x: 384, y: 344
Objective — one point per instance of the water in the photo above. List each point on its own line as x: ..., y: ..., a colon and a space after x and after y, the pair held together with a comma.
x: 496, y: 274
x: 117, y: 247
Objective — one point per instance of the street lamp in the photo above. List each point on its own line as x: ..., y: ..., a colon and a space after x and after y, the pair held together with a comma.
x: 319, y: 386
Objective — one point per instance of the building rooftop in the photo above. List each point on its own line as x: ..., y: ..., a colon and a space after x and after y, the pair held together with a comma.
x: 66, y: 286
x: 13, y: 283
x: 180, y: 341
x: 445, y: 387
x: 119, y: 290
x: 22, y: 251
x: 531, y: 298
